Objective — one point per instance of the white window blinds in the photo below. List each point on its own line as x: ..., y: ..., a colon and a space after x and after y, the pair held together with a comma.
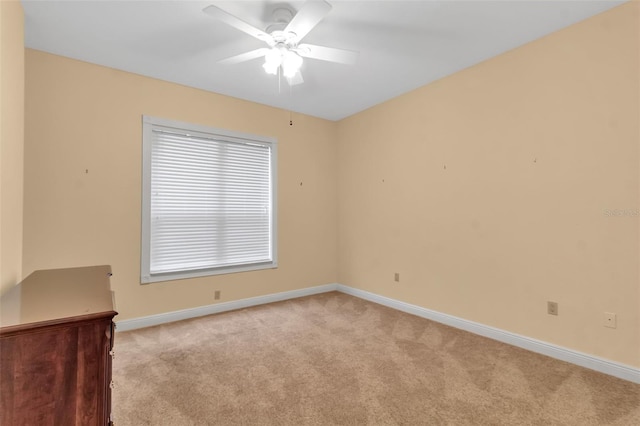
x: 210, y: 203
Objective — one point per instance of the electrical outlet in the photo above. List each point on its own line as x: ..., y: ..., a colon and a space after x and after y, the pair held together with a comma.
x: 216, y: 295
x: 552, y: 308
x: 396, y: 277
x: 609, y: 320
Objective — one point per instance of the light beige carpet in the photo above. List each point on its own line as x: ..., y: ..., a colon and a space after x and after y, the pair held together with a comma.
x: 333, y: 359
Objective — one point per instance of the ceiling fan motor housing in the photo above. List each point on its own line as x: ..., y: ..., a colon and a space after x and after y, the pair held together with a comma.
x: 282, y: 15
x: 281, y: 18
x: 281, y: 38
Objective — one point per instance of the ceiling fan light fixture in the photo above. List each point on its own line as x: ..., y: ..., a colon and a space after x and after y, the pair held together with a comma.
x: 270, y: 68
x: 272, y: 61
x: 291, y: 63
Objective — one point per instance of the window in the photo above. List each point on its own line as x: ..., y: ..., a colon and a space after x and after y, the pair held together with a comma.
x: 208, y: 201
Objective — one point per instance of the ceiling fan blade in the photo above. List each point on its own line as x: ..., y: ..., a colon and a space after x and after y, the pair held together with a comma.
x: 308, y: 17
x: 330, y: 54
x: 247, y: 56
x: 237, y: 23
x: 296, y: 79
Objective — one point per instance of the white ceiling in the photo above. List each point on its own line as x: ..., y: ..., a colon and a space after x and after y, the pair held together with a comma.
x: 403, y: 44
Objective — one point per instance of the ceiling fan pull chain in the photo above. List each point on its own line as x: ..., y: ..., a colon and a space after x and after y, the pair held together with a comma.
x: 290, y: 105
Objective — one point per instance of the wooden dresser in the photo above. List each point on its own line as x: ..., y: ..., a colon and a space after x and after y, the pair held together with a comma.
x: 56, y: 347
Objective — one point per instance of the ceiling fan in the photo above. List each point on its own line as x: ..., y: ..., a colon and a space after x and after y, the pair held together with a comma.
x: 285, y: 52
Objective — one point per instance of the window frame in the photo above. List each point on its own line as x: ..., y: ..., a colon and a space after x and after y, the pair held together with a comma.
x: 150, y: 123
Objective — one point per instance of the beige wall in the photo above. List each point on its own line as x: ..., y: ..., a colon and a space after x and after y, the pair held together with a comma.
x: 11, y: 141
x: 83, y: 181
x: 489, y: 190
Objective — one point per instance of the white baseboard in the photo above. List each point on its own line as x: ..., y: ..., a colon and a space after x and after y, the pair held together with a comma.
x: 611, y: 368
x: 132, y: 324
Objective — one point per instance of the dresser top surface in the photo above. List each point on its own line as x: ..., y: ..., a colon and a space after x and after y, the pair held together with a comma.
x: 54, y: 294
